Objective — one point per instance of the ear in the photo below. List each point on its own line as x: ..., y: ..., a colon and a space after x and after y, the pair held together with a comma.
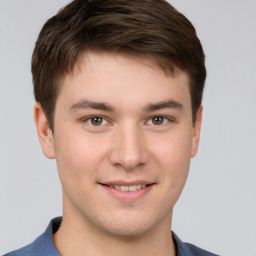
x: 196, y: 131
x: 44, y: 132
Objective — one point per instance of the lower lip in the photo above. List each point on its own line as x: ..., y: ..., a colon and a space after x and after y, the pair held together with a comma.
x: 128, y: 195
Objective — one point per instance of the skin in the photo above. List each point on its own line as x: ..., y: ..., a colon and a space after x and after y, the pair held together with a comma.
x: 126, y: 145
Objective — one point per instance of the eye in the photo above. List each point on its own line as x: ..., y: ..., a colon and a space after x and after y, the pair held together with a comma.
x: 158, y: 120
x: 95, y: 121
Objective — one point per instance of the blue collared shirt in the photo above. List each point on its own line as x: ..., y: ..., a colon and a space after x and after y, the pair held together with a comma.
x: 44, y: 246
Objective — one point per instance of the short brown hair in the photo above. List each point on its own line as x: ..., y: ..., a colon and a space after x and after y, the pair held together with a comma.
x: 146, y: 28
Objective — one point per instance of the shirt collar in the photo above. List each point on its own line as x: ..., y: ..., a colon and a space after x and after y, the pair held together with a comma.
x: 181, y: 247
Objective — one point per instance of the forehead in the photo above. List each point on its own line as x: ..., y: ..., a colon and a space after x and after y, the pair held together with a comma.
x: 122, y: 79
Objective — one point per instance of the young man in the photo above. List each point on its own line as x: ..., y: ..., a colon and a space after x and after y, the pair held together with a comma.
x: 118, y: 88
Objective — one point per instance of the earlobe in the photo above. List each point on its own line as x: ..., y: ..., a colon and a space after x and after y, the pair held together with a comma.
x: 196, y: 131
x: 44, y: 132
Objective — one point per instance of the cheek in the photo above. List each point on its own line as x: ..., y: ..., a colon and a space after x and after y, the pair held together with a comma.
x: 173, y: 150
x: 78, y: 157
x: 172, y: 156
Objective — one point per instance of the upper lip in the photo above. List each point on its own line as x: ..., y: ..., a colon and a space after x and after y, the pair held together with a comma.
x: 127, y: 183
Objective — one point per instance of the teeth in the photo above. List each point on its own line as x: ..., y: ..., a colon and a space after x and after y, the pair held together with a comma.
x: 139, y: 186
x: 128, y: 188
x: 124, y: 188
x: 133, y: 188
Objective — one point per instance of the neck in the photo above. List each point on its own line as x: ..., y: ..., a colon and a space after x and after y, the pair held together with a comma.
x: 76, y: 238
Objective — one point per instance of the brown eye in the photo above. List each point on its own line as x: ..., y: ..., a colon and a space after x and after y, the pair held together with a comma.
x: 96, y: 121
x: 158, y: 120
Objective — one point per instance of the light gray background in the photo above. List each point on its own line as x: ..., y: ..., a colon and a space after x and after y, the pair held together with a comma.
x: 217, y: 210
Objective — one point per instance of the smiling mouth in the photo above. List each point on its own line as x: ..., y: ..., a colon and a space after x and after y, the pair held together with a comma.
x: 130, y: 188
x: 128, y: 191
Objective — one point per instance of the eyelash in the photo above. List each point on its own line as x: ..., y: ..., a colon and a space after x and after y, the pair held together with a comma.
x: 89, y: 120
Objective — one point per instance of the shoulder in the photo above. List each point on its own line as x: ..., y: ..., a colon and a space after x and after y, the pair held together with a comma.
x: 24, y: 251
x: 187, y: 249
x: 42, y: 246
x: 198, y: 251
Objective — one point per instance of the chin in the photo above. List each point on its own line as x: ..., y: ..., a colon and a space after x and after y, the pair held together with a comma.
x: 128, y: 227
x: 128, y: 231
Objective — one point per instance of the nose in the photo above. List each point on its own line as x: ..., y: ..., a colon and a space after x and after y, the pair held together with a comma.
x: 129, y: 149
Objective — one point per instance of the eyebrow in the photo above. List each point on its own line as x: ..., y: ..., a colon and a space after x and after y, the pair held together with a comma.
x: 173, y: 104
x: 85, y: 104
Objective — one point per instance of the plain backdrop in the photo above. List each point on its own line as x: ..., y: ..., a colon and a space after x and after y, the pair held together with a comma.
x: 217, y: 210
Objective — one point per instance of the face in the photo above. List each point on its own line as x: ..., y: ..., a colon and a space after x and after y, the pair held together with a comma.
x: 123, y: 140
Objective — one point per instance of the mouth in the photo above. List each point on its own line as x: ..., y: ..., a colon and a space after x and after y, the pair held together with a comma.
x: 128, y: 191
x: 130, y: 188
